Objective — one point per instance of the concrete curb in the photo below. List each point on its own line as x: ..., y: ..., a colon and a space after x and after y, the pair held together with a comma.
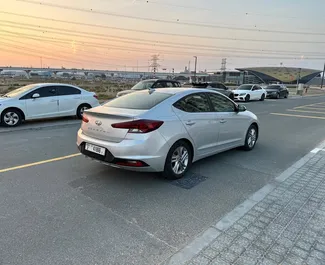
x: 204, y: 239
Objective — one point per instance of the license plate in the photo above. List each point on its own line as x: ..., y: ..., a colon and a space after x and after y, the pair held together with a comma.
x: 95, y: 149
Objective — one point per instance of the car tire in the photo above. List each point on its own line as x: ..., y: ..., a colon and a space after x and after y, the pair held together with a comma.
x: 11, y: 118
x: 247, y: 98
x: 286, y: 95
x: 179, y: 149
x: 263, y: 97
x: 251, y: 138
x: 277, y: 96
x: 231, y: 96
x: 81, y: 109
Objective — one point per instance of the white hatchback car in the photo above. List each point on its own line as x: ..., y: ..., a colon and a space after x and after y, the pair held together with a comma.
x: 249, y: 92
x: 38, y: 101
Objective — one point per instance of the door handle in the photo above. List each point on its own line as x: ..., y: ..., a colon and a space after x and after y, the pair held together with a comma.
x: 223, y: 121
x: 190, y: 123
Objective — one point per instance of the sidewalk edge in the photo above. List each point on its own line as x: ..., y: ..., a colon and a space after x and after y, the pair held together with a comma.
x: 187, y: 253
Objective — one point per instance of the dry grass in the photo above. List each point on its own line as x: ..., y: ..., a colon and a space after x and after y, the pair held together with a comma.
x: 104, y: 89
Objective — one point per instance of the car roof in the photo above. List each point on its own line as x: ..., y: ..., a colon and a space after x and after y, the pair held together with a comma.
x: 177, y: 90
x: 166, y: 80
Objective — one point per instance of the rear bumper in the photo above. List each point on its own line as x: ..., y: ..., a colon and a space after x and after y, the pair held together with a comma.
x: 270, y: 96
x: 152, y: 151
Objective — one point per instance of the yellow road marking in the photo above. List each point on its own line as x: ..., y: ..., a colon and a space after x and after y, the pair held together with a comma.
x: 309, y: 111
x: 39, y: 163
x: 298, y: 116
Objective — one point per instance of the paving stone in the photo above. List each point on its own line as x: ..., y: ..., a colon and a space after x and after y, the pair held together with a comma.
x: 299, y: 252
x: 254, y: 252
x: 210, y: 253
x: 254, y: 229
x: 320, y: 247
x: 285, y: 242
x: 267, y: 261
x: 275, y: 257
x: 279, y: 249
x: 314, y: 261
x: 243, y: 260
x: 220, y: 245
x: 318, y: 254
x: 200, y: 260
x: 238, y: 250
x: 229, y: 256
x: 249, y: 218
x: 219, y: 261
x: 243, y: 223
x: 304, y: 245
x: 238, y: 227
x: 249, y: 235
x: 294, y: 260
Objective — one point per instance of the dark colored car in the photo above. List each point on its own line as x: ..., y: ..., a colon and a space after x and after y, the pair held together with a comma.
x: 277, y: 91
x: 150, y: 83
x: 219, y: 87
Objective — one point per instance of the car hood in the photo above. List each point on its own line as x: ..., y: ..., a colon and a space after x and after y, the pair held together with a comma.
x: 241, y: 91
x: 271, y: 90
x: 125, y: 92
x: 4, y: 100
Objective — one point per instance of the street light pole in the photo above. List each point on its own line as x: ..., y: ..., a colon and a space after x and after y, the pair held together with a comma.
x: 195, y: 68
x: 321, y: 86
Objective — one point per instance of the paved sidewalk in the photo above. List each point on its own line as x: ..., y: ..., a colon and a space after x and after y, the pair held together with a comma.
x: 283, y: 223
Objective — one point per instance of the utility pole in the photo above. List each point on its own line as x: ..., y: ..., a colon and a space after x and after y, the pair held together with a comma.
x: 195, y: 68
x: 321, y: 86
x: 224, y: 64
x: 154, y: 63
x: 41, y: 62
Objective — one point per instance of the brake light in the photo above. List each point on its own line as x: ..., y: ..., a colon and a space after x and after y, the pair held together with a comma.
x: 131, y: 163
x: 95, y: 96
x: 84, y: 118
x: 139, y: 126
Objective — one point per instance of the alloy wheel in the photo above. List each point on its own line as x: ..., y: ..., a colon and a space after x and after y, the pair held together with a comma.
x: 180, y: 159
x: 11, y: 118
x: 251, y: 139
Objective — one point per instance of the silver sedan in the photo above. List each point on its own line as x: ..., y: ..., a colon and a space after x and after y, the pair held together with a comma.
x: 165, y: 130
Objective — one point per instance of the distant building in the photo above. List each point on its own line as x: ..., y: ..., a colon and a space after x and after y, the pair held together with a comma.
x: 285, y: 75
x: 232, y: 77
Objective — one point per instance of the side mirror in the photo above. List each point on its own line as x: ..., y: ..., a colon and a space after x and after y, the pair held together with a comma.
x: 241, y: 108
x: 36, y: 95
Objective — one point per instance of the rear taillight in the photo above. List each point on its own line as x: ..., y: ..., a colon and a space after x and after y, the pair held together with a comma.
x: 84, y: 118
x: 139, y: 126
x: 131, y: 163
x: 95, y: 96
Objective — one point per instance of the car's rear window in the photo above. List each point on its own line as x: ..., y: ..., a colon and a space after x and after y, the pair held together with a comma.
x: 138, y: 100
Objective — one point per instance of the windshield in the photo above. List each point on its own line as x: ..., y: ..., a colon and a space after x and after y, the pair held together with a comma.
x: 139, y: 100
x: 273, y: 87
x: 143, y: 85
x: 244, y: 87
x: 19, y: 91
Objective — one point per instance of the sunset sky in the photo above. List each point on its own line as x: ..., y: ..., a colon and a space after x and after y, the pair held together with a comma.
x: 123, y: 34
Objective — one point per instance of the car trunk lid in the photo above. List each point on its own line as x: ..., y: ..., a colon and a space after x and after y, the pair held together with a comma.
x: 100, y: 120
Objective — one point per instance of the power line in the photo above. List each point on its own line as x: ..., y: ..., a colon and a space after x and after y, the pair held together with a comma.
x: 92, y: 11
x: 146, y: 50
x: 163, y: 33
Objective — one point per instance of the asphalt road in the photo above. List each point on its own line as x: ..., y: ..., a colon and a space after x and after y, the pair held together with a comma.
x: 76, y: 211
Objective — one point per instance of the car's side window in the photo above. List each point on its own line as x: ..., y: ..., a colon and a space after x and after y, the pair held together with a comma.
x: 44, y: 92
x: 68, y: 90
x: 194, y: 103
x: 221, y: 103
x: 159, y: 85
x: 169, y: 84
x: 222, y: 86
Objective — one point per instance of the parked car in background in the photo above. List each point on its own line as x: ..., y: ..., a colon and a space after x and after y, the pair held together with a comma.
x: 148, y: 84
x: 165, y: 130
x: 219, y: 87
x: 277, y: 91
x: 249, y: 92
x: 38, y: 101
